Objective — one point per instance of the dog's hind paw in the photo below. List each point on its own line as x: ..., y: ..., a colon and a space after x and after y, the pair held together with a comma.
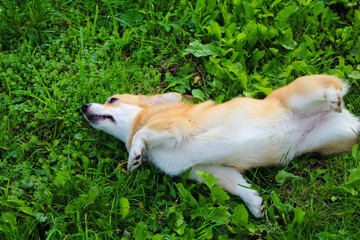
x: 257, y: 208
x: 334, y: 100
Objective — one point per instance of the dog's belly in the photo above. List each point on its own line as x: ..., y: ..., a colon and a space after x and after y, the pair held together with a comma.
x: 243, y: 148
x: 251, y: 146
x: 257, y: 144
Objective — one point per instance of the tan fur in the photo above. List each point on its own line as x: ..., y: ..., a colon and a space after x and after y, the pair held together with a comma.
x: 303, y: 86
x: 340, y: 146
x: 225, y: 139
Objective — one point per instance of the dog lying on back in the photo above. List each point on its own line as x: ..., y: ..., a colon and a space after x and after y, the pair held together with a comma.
x: 226, y: 139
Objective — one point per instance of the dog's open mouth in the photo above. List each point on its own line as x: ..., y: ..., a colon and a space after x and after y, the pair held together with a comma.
x: 95, y: 117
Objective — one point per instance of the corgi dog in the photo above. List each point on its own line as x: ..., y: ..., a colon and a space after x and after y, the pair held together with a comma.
x: 307, y: 115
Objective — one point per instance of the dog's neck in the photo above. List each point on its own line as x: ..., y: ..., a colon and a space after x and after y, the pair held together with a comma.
x: 126, y: 123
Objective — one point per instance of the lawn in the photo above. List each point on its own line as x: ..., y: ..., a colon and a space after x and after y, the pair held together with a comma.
x: 62, y: 179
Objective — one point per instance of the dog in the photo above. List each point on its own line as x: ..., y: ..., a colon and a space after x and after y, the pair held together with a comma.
x: 307, y: 115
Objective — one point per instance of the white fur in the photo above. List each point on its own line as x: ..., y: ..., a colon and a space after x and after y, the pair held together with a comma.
x: 237, y: 135
x: 124, y: 116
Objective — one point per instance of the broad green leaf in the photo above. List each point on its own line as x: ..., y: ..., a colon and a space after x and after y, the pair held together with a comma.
x: 274, y: 51
x: 197, y: 93
x: 354, y: 177
x: 283, y: 176
x: 240, y: 216
x: 243, y: 79
x: 241, y: 36
x: 78, y: 136
x: 141, y: 232
x: 155, y: 237
x: 354, y: 151
x: 89, y: 198
x: 354, y: 74
x: 186, y: 195
x: 327, y: 236
x: 14, y: 202
x: 351, y: 190
x: 225, y: 13
x: 219, y: 194
x: 189, y: 233
x: 62, y: 178
x: 265, y: 90
x: 207, y: 233
x: 175, y: 216
x: 216, y: 30
x: 200, y: 6
x: 298, y: 217
x: 221, y: 215
x: 303, y: 53
x: 357, y: 18
x: 284, y: 15
x: 210, y: 6
x: 252, y: 33
x: 300, y: 65
x: 249, y: 10
x: 262, y: 29
x: 220, y: 98
x: 257, y: 55
x: 9, y: 218
x: 41, y: 217
x: 224, y: 237
x: 272, y: 32
x: 200, y: 50
x: 208, y: 179
x: 124, y: 208
x: 71, y: 207
x: 27, y: 210
x: 283, y: 208
x: 181, y: 229
x: 318, y: 8
x: 86, y: 161
x: 27, y: 182
x: 288, y: 44
x: 251, y: 227
x: 237, y: 2
x: 231, y: 29
x: 176, y: 220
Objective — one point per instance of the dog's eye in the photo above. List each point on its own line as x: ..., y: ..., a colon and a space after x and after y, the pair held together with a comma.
x: 112, y: 100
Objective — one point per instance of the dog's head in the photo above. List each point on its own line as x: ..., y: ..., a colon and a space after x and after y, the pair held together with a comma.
x: 117, y: 115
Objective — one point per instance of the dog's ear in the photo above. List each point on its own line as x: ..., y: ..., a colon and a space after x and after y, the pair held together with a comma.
x: 170, y: 98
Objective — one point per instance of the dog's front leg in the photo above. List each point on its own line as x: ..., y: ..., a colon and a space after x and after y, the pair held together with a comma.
x: 136, y: 152
x: 147, y: 138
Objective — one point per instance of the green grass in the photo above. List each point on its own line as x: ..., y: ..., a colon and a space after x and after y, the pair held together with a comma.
x: 61, y: 179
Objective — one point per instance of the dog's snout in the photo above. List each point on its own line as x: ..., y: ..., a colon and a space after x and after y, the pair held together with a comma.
x: 85, y: 107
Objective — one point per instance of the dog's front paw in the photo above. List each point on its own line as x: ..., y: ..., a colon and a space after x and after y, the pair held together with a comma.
x: 334, y: 100
x: 135, y: 158
x: 257, y: 206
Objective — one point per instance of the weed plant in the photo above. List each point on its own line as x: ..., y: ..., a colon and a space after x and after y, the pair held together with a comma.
x: 61, y: 179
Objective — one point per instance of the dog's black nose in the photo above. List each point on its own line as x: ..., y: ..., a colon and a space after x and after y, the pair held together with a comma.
x: 85, y: 107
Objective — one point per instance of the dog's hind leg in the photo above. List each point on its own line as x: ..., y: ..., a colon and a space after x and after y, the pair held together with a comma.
x: 231, y: 180
x: 311, y: 94
x: 323, y: 99
x: 336, y: 133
